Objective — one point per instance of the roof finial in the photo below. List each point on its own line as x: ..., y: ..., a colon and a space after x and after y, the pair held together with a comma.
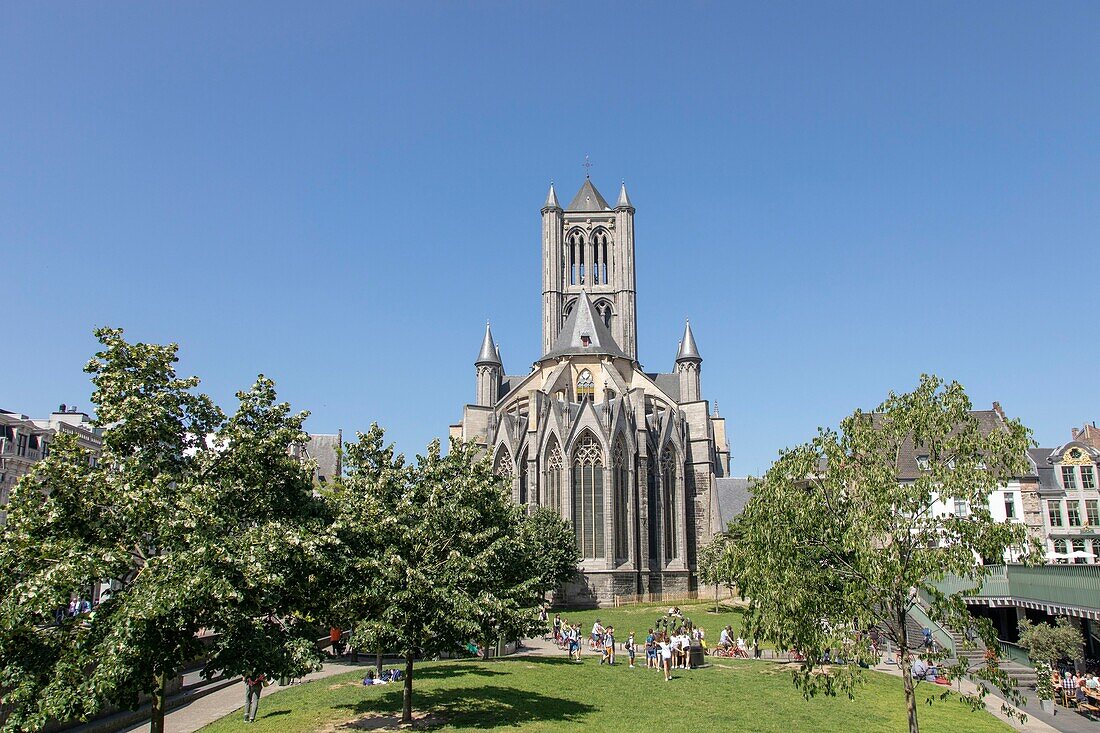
x: 716, y: 409
x: 587, y: 166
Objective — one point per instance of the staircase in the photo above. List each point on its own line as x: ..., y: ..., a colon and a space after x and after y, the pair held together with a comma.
x: 974, y: 655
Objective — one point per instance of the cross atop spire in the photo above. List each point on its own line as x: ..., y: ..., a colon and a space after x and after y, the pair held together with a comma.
x: 587, y: 166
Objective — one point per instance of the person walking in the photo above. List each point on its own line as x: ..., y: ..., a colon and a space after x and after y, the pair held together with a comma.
x: 630, y: 647
x: 253, y: 686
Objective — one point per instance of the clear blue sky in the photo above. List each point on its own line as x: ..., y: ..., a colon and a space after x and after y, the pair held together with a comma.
x: 840, y: 196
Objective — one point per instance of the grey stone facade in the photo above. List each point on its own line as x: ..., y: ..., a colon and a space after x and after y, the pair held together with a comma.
x: 629, y: 457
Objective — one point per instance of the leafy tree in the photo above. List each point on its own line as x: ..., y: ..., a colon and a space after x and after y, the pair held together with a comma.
x: 1050, y: 643
x: 835, y: 543
x: 196, y: 520
x: 430, y: 551
x: 713, y: 564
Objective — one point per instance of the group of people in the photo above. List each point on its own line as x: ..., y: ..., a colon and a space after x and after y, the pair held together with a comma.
x: 76, y: 607
x: 1084, y: 689
x: 668, y: 643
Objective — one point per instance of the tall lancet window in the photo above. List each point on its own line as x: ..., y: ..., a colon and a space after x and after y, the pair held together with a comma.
x: 670, y: 504
x: 600, y: 247
x: 574, y: 259
x: 622, y: 499
x: 503, y: 466
x: 523, y: 491
x: 588, y: 519
x: 551, y: 477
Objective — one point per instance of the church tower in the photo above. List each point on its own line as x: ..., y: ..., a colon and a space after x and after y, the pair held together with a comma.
x: 589, y: 246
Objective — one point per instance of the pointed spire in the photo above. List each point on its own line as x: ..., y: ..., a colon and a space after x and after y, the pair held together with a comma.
x: 688, y: 350
x: 624, y: 200
x: 551, y: 199
x: 584, y: 332
x: 588, y: 199
x: 489, y: 353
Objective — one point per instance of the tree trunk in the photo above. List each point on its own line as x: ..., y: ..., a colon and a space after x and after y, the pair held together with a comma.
x: 906, y: 664
x: 407, y: 708
x: 378, y: 661
x: 156, y: 713
x: 716, y: 597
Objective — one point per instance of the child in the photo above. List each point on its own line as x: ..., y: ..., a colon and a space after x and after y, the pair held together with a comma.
x: 609, y: 644
x: 650, y: 650
x: 571, y: 643
x: 557, y: 628
x: 630, y: 647
x: 666, y: 657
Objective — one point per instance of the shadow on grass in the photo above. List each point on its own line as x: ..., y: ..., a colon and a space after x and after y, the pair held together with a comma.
x: 488, y: 706
x: 273, y: 713
x: 453, y: 670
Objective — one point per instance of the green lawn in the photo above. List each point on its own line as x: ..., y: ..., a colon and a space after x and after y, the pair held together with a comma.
x: 532, y: 694
x: 642, y: 618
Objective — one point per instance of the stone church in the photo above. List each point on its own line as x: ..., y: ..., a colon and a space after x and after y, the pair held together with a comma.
x: 630, y: 457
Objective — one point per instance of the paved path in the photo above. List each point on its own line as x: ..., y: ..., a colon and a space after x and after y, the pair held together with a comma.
x: 205, y: 710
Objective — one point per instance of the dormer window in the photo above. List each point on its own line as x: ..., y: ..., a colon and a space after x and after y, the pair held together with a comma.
x: 922, y: 463
x: 585, y: 340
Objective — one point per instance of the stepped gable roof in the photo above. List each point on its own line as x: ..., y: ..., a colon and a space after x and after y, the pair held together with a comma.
x: 489, y: 353
x: 585, y: 333
x: 688, y: 350
x: 588, y: 199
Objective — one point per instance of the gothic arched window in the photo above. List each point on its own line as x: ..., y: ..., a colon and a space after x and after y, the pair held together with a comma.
x: 599, y: 245
x: 567, y: 310
x: 552, y: 476
x: 503, y: 466
x: 622, y: 497
x: 656, y: 511
x: 585, y: 386
x: 670, y: 504
x: 523, y: 478
x: 588, y: 519
x: 603, y: 308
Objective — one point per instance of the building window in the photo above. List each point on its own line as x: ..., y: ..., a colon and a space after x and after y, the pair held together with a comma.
x: 588, y: 519
x: 1092, y: 512
x: 1088, y: 478
x: 622, y: 508
x: 1073, y: 511
x: 523, y: 478
x: 922, y: 463
x: 552, y: 477
x: 670, y: 503
x: 585, y: 386
x: 962, y: 508
x: 504, y: 468
x: 1010, y: 505
x: 1069, y: 478
x: 1080, y: 553
x: 21, y: 444
x: 1054, y: 513
x: 1060, y: 551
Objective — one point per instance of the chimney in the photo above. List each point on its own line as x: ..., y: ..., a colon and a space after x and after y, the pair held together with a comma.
x: 1074, y: 432
x: 997, y: 409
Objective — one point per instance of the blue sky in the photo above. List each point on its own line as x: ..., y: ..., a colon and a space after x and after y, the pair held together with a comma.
x: 840, y: 196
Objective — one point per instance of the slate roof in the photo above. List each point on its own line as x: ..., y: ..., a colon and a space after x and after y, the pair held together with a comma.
x: 1048, y: 481
x: 551, y: 199
x: 688, y: 350
x: 588, y: 199
x: 624, y: 200
x: 669, y: 384
x: 323, y: 450
x: 488, y: 353
x: 988, y: 421
x: 583, y: 322
x: 732, y: 494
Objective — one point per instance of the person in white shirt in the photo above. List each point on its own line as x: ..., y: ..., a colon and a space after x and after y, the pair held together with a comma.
x: 666, y: 656
x: 724, y: 639
x: 595, y: 641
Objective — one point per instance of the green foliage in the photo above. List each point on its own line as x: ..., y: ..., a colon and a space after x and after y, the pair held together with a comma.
x: 834, y: 543
x: 1050, y: 643
x: 435, y: 554
x: 197, y: 520
x: 714, y: 564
